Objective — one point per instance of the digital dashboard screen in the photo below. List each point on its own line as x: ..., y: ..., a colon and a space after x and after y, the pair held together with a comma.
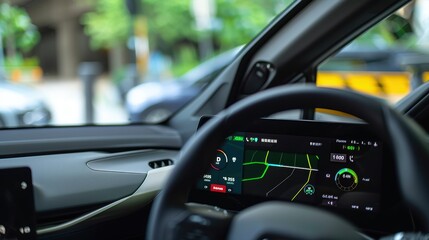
x: 336, y: 172
x: 17, y: 219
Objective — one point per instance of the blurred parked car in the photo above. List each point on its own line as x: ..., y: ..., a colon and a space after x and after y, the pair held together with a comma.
x: 153, y: 102
x: 21, y: 107
x: 380, y: 72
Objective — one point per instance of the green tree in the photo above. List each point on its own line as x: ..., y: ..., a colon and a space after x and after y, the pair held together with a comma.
x: 242, y: 20
x: 171, y: 22
x: 108, y: 25
x: 172, y: 27
x: 16, y: 30
x: 392, y: 32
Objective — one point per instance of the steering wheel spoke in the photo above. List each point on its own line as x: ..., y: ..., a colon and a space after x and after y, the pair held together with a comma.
x: 279, y: 220
x: 198, y: 221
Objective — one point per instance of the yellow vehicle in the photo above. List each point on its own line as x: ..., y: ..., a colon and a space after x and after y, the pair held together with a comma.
x: 375, y: 72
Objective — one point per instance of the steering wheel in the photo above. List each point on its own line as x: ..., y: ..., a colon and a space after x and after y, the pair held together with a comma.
x: 172, y: 218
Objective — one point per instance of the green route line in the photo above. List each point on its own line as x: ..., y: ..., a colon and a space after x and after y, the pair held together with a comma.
x: 260, y: 177
x: 266, y: 156
x: 268, y: 165
x: 262, y: 163
x: 308, y: 179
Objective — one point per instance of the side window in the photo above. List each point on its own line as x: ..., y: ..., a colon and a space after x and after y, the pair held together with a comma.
x: 388, y: 61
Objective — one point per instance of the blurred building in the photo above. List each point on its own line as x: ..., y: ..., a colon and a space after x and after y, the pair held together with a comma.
x: 63, y: 44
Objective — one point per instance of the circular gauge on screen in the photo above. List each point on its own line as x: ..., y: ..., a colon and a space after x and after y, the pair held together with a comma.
x: 221, y: 160
x: 346, y: 179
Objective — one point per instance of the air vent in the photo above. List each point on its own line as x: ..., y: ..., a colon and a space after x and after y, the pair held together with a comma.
x: 161, y: 163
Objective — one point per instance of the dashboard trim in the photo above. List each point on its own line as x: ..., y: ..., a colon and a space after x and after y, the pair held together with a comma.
x: 143, y: 195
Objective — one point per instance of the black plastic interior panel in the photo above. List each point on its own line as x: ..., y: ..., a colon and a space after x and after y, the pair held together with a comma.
x: 415, y: 105
x: 67, y: 139
x: 17, y: 218
x: 411, y: 102
x: 257, y: 77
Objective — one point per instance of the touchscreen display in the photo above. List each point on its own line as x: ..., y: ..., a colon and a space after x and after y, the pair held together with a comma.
x: 337, y: 172
x: 17, y: 220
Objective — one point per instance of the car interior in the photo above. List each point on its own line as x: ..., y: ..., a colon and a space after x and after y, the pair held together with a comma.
x: 250, y: 157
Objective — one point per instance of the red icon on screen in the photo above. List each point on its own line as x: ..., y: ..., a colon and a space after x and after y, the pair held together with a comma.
x: 218, y: 188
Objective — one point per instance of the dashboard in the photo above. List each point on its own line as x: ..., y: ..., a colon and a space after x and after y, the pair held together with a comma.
x: 124, y: 181
x: 73, y: 183
x: 341, y: 167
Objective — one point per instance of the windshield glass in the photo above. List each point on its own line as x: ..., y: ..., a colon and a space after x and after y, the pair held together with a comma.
x: 114, y: 61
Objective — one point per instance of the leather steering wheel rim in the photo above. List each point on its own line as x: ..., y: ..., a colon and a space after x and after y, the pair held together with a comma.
x: 403, y: 135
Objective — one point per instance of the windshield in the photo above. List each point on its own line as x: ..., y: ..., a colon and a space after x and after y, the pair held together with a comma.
x: 114, y: 61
